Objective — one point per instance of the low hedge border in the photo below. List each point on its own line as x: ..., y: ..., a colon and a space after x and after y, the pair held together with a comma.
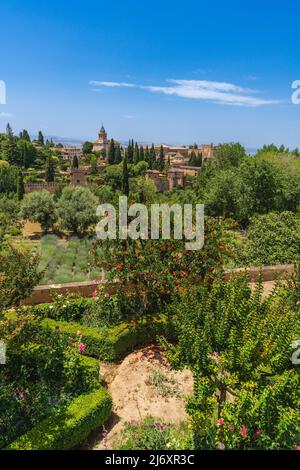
x: 70, y: 310
x: 68, y: 428
x: 109, y: 344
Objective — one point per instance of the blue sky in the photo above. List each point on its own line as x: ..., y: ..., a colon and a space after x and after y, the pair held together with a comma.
x: 162, y: 71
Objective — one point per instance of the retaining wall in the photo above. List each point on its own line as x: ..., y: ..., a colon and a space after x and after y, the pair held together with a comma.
x: 42, y: 294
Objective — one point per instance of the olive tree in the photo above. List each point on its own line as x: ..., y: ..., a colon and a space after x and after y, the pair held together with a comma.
x: 39, y: 207
x: 76, y: 208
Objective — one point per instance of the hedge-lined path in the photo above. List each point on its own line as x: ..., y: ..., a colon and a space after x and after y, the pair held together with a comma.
x: 143, y: 384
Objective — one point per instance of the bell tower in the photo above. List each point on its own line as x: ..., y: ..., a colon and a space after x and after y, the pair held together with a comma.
x: 102, y: 136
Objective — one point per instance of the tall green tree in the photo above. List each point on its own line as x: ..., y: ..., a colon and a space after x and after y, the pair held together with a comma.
x: 118, y: 155
x: 231, y: 154
x: 87, y: 147
x: 8, y: 178
x: 20, y: 186
x: 142, y: 154
x: 147, y: 155
x: 199, y: 159
x: 50, y: 170
x: 111, y: 152
x: 27, y: 153
x: 136, y: 154
x: 161, y: 160
x: 10, y: 151
x: 75, y: 162
x: 125, y: 177
x: 76, y: 208
x: 9, y: 131
x: 129, y: 151
x: 40, y: 138
x: 192, y: 159
x: 152, y: 157
x: 24, y: 135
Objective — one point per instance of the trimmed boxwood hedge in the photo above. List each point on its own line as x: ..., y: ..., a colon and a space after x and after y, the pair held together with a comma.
x: 109, y: 344
x: 69, y: 427
x: 71, y: 310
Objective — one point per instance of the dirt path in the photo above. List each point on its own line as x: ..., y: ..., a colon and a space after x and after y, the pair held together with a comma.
x: 268, y: 287
x: 143, y: 384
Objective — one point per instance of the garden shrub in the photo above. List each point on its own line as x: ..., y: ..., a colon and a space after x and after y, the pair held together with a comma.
x: 239, y: 347
x: 18, y: 275
x: 110, y: 343
x: 63, y: 307
x: 70, y: 426
x: 142, y: 276
x: 153, y: 434
x: 44, y: 372
x: 271, y: 239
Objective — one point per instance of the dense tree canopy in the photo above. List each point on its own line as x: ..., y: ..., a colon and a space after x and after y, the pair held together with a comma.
x: 39, y: 207
x: 76, y: 208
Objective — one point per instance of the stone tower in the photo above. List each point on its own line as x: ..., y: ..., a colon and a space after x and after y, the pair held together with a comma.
x: 102, y: 137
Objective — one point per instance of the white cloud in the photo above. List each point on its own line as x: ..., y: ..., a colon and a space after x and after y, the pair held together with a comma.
x: 128, y: 116
x: 5, y: 115
x: 112, y: 84
x: 217, y: 92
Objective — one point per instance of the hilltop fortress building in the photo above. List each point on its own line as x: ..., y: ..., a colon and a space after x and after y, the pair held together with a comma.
x: 102, y: 143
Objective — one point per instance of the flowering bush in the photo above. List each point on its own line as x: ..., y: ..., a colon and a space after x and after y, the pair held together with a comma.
x: 239, y: 346
x: 43, y: 372
x: 18, y: 276
x: 151, y: 434
x: 144, y: 275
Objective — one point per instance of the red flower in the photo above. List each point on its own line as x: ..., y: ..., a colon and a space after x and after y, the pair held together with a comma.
x: 220, y: 422
x: 258, y: 432
x: 243, y: 431
x: 120, y: 266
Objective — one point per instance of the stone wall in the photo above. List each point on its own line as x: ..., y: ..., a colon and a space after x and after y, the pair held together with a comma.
x: 42, y: 186
x: 42, y: 294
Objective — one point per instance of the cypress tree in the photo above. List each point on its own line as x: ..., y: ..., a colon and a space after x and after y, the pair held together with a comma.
x: 147, y: 155
x: 25, y: 161
x: 9, y: 131
x: 136, y: 154
x: 20, y: 186
x: 10, y: 151
x: 199, y: 159
x: 111, y: 152
x: 50, y: 170
x: 192, y: 159
x: 161, y: 161
x: 125, y: 179
x: 24, y: 135
x: 75, y: 162
x: 118, y: 156
x: 40, y: 138
x: 130, y: 152
x: 152, y: 158
x: 142, y: 154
